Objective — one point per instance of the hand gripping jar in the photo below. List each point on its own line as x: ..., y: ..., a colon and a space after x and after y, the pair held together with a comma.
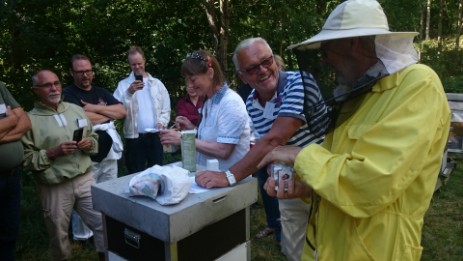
x: 281, y: 171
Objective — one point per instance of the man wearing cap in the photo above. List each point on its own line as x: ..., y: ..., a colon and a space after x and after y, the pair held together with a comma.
x: 372, y: 179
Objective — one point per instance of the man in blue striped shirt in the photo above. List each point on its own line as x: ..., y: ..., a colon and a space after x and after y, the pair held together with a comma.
x: 276, y: 107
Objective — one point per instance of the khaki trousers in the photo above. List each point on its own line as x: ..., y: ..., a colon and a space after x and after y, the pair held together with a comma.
x: 57, y: 204
x: 294, y: 215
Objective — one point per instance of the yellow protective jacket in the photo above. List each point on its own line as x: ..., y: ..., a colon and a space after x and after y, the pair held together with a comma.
x: 374, y: 176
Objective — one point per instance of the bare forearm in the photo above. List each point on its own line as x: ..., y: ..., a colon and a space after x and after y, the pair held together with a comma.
x: 111, y: 112
x: 16, y: 134
x: 282, y: 130
x: 114, y: 112
x: 248, y: 164
x: 215, y: 149
x: 96, y: 118
x: 17, y: 130
x: 6, y: 125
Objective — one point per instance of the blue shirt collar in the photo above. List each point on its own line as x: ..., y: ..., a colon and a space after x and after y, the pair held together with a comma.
x: 219, y: 95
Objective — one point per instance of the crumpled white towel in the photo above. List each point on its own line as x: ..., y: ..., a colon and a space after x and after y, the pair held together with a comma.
x: 166, y: 184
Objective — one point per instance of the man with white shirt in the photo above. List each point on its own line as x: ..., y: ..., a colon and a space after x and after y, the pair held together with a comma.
x: 147, y: 104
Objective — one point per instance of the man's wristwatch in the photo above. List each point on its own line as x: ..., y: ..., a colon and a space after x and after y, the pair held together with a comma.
x: 231, y: 178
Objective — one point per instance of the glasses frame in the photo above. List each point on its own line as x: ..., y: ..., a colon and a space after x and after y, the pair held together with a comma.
x: 266, y: 63
x: 48, y: 85
x: 81, y: 73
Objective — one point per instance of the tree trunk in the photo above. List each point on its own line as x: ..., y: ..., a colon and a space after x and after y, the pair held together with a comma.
x: 218, y: 24
x: 428, y: 19
x: 421, y: 29
x: 439, y: 25
x: 459, y: 25
x: 223, y: 35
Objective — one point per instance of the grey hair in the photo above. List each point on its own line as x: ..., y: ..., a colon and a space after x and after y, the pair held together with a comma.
x: 245, y: 44
x: 35, y: 77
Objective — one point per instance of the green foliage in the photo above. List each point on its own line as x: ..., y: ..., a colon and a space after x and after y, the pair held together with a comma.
x: 166, y: 30
x: 443, y: 230
x: 448, y: 63
x: 453, y: 84
x: 39, y: 34
x: 403, y: 15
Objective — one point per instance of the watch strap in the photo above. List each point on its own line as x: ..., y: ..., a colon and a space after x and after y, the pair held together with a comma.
x: 230, y: 177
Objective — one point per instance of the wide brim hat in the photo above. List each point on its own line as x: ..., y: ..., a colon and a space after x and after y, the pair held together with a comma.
x: 353, y: 18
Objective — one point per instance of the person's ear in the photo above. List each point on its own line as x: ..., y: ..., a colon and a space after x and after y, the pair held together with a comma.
x: 210, y: 73
x: 242, y: 78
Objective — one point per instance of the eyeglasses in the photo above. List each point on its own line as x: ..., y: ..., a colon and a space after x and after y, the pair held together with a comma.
x: 48, y: 85
x: 81, y: 73
x: 267, y: 62
x: 196, y: 56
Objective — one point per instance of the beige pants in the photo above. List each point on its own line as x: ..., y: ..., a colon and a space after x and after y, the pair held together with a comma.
x: 102, y: 171
x: 294, y: 214
x: 57, y: 204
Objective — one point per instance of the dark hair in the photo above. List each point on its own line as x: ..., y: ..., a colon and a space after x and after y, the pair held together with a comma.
x: 76, y: 57
x: 136, y: 49
x: 198, y: 62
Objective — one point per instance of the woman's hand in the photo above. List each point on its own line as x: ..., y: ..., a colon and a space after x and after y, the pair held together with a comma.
x: 169, y: 136
x: 183, y: 123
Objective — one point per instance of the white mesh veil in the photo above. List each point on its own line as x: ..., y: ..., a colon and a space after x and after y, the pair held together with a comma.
x: 395, y: 52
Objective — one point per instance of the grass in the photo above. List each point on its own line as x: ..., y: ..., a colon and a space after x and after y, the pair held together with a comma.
x: 264, y: 249
x: 443, y: 225
x: 442, y: 233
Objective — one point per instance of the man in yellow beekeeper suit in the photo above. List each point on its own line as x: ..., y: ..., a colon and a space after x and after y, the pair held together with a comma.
x: 371, y: 181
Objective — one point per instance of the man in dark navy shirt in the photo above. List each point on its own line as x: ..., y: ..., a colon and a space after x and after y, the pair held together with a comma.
x: 102, y: 109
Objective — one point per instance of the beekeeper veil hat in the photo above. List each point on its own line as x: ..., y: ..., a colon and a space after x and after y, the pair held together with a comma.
x: 356, y: 18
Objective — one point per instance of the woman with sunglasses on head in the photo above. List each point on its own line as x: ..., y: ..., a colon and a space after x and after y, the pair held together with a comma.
x: 223, y: 130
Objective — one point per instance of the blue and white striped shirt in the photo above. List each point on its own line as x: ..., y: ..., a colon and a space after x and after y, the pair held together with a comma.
x: 288, y: 101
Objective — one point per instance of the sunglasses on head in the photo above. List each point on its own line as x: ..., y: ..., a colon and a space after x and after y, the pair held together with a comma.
x: 196, y: 56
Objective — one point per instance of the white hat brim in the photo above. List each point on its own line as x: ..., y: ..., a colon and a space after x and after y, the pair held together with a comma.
x: 326, y: 35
